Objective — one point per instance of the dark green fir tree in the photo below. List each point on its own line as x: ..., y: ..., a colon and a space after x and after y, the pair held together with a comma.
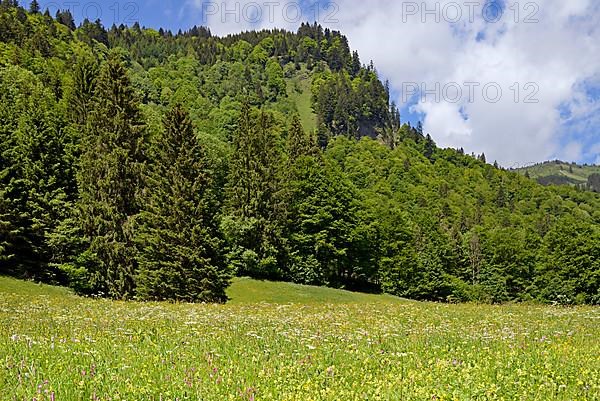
x: 34, y: 7
x: 177, y: 232
x: 33, y: 175
x: 254, y: 197
x: 109, y: 180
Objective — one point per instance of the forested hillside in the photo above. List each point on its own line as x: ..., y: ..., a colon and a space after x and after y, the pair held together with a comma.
x: 145, y: 164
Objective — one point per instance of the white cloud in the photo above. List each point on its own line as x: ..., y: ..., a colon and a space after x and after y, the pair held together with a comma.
x: 446, y: 121
x: 573, y: 151
x: 559, y: 54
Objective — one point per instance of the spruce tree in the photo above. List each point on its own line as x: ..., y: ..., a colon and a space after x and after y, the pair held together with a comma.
x: 34, y: 7
x: 429, y: 147
x: 177, y: 234
x: 66, y: 18
x: 419, y: 128
x: 38, y: 187
x: 70, y: 250
x: 10, y: 102
x: 389, y: 133
x: 254, y: 197
x: 33, y: 174
x: 109, y: 179
x: 355, y: 64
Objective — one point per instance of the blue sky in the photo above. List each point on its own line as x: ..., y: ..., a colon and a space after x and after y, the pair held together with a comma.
x: 151, y: 13
x: 168, y: 14
x: 548, y: 52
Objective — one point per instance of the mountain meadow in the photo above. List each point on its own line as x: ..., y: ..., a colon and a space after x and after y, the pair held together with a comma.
x: 586, y: 177
x: 191, y: 217
x: 279, y: 341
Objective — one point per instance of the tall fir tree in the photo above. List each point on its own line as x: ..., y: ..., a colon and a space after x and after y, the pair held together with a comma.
x: 39, y: 186
x: 69, y: 247
x: 12, y: 103
x: 33, y: 174
x: 109, y: 180
x: 177, y: 235
x: 429, y: 147
x: 65, y: 18
x: 254, y: 197
x: 34, y: 7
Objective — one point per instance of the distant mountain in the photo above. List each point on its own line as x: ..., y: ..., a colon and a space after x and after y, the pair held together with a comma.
x: 557, y: 172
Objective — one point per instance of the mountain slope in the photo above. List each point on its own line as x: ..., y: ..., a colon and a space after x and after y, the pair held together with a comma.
x: 562, y: 173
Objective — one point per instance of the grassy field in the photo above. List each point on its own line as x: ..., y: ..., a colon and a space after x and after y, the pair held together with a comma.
x: 298, y: 89
x: 571, y: 174
x: 284, y: 342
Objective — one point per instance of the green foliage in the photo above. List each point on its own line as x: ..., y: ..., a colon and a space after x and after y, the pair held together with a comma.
x: 253, y: 226
x: 275, y: 81
x: 350, y: 107
x: 569, y: 266
x: 179, y: 247
x: 33, y: 173
x: 6, y: 233
x: 109, y: 179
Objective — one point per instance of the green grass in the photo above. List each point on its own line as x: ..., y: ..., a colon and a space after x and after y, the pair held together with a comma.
x: 276, y: 341
x: 576, y: 174
x: 247, y: 291
x: 299, y: 92
x: 19, y: 287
